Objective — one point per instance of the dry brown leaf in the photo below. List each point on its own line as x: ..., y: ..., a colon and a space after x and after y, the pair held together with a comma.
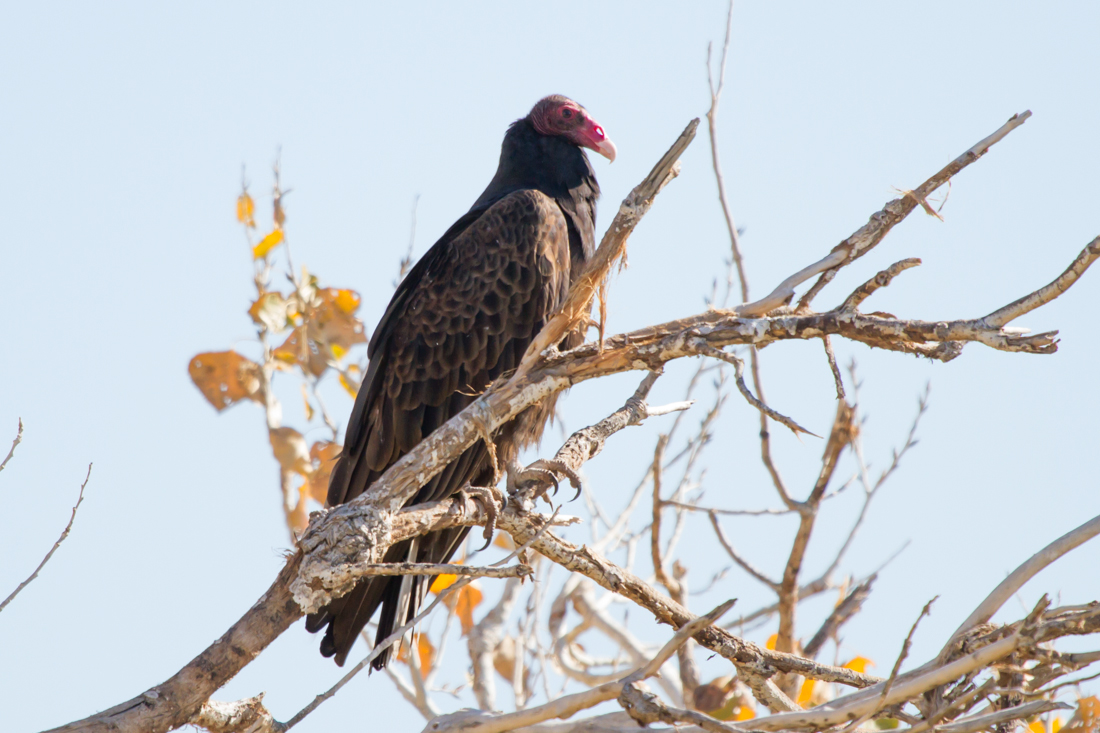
x: 329, y: 331
x: 504, y: 661
x: 323, y: 454
x: 290, y: 451
x: 720, y: 699
x: 224, y: 377
x: 1087, y: 717
x: 298, y: 518
x: 299, y: 350
x: 712, y: 697
x: 332, y: 321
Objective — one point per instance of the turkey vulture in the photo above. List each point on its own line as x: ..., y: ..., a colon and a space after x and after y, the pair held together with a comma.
x: 463, y: 316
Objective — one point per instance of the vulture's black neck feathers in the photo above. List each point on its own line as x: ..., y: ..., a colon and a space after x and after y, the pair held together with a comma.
x: 551, y: 164
x: 557, y: 168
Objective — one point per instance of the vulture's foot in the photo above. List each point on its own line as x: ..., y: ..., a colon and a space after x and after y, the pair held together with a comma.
x: 493, y: 500
x: 542, y: 474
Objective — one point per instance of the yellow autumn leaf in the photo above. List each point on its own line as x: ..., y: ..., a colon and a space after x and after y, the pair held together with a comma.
x: 772, y: 640
x: 806, y: 693
x: 1039, y: 726
x: 443, y: 582
x: 245, y: 210
x: 745, y: 712
x: 305, y: 399
x: 347, y: 300
x: 338, y: 351
x: 859, y: 664
x: 504, y: 541
x: 268, y: 243
x: 348, y: 387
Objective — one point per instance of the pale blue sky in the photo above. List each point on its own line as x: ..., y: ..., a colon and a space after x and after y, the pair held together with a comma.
x: 123, y: 127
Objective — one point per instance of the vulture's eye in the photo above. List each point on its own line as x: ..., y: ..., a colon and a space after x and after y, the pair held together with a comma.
x: 567, y: 113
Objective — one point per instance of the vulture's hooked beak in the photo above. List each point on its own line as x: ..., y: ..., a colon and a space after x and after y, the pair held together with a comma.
x: 606, y: 148
x: 596, y: 139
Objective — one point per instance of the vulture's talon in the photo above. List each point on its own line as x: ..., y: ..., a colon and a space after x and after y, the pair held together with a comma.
x: 488, y: 498
x: 542, y: 474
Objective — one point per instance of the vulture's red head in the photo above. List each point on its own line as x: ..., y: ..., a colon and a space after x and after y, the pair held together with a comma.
x: 561, y: 116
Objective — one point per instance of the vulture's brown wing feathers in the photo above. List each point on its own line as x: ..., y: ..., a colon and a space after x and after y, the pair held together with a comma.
x: 461, y: 318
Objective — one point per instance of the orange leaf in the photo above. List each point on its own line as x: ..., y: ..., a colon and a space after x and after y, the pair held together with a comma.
x: 504, y: 541
x: 224, y: 377
x: 245, y: 209
x: 745, y: 712
x: 1087, y: 717
x: 443, y: 582
x: 468, y: 598
x: 859, y: 664
x: 347, y: 300
x: 426, y: 652
x: 323, y: 453
x: 770, y: 644
x: 268, y: 243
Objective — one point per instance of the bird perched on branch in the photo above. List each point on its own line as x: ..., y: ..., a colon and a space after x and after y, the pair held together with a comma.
x: 461, y: 318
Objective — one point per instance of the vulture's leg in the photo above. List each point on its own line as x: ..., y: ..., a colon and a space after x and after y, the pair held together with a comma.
x: 493, y: 500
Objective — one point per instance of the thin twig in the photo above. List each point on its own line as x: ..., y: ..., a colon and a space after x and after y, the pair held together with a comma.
x: 739, y: 377
x: 831, y: 356
x: 64, y: 534
x: 736, y: 556
x: 17, y: 441
x: 889, y: 684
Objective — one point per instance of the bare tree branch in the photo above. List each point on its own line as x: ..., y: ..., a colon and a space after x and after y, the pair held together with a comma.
x: 473, y: 721
x: 871, y: 233
x: 1008, y: 587
x: 844, y: 611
